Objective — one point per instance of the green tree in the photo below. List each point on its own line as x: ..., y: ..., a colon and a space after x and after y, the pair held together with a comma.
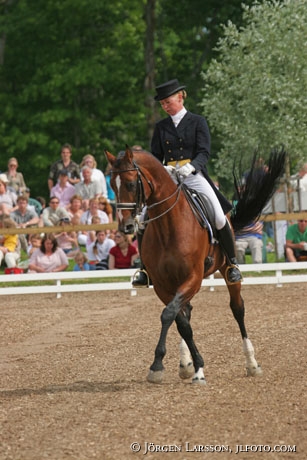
x: 70, y: 73
x: 255, y: 92
x: 84, y: 72
x: 186, y: 35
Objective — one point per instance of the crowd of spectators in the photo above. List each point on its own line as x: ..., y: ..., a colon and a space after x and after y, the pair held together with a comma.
x: 81, y: 194
x: 78, y: 195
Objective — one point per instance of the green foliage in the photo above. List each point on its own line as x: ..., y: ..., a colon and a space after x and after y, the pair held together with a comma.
x: 67, y: 78
x: 255, y: 92
x: 74, y: 71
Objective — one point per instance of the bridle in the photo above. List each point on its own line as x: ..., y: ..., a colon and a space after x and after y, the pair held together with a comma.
x: 137, y: 207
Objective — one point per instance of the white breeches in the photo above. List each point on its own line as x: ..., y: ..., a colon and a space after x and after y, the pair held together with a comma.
x: 199, y: 183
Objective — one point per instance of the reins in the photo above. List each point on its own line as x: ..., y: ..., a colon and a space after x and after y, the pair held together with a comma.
x: 178, y: 190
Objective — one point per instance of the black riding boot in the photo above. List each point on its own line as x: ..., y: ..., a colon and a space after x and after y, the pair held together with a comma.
x: 142, y: 278
x: 233, y: 274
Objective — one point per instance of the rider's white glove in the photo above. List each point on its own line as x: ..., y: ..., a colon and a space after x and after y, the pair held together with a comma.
x: 186, y: 170
x: 170, y: 169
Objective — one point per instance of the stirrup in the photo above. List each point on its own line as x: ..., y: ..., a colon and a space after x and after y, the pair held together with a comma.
x: 135, y: 282
x: 229, y: 267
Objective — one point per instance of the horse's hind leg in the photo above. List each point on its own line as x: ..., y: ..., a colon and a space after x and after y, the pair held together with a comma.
x: 185, y: 330
x: 237, y: 307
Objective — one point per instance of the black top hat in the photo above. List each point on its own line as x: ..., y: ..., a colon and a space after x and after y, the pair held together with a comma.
x: 167, y: 89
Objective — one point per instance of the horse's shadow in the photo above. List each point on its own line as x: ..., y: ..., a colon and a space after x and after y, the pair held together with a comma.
x: 82, y: 386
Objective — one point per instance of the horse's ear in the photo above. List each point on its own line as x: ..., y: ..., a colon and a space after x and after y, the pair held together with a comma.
x: 111, y: 158
x: 129, y: 154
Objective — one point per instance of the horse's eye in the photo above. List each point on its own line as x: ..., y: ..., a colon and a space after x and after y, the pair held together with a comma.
x: 131, y: 186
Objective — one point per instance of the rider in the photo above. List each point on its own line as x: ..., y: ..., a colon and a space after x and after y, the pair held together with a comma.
x: 182, y: 142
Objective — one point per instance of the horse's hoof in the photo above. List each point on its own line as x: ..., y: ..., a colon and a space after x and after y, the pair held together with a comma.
x: 155, y: 376
x: 186, y: 371
x: 254, y: 371
x: 199, y: 381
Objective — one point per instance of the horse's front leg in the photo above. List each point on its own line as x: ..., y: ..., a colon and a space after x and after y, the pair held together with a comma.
x: 237, y: 307
x: 168, y: 316
x: 188, y: 349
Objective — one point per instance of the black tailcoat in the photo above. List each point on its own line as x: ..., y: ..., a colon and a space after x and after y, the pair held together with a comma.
x: 190, y: 140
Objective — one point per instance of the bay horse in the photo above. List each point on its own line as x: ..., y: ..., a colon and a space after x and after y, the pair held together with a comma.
x: 175, y: 247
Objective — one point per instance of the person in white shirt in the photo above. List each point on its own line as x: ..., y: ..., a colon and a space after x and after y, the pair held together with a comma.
x: 98, y: 251
x: 88, y: 188
x: 97, y: 174
x: 87, y: 218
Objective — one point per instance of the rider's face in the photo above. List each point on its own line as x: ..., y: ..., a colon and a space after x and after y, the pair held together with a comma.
x: 173, y: 104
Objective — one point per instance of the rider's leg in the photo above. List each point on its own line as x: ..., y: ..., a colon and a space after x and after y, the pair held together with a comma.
x: 199, y: 183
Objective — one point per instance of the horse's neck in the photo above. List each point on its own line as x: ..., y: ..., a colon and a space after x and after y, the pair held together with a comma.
x: 163, y: 186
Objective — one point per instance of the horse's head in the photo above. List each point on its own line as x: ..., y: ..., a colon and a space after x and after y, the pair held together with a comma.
x: 127, y: 184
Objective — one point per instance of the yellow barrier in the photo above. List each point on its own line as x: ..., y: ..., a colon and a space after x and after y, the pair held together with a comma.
x: 111, y: 226
x: 58, y: 228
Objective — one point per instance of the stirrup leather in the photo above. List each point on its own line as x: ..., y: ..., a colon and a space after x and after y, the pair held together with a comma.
x: 226, y: 274
x: 141, y: 270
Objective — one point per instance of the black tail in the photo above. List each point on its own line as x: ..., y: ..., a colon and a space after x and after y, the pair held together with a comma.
x: 257, y: 190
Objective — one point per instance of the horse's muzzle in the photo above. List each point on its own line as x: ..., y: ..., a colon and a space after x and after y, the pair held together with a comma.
x: 126, y: 220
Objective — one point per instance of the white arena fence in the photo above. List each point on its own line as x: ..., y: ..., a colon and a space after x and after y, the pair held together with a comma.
x: 256, y: 276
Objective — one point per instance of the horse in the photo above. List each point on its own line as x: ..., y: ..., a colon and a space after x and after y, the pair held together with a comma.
x: 175, y: 247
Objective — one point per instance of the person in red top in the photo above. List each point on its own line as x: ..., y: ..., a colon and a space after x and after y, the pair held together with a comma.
x: 123, y: 254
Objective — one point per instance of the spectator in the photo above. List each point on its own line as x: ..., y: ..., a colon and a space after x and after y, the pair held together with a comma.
x: 15, y: 179
x: 8, y: 198
x: 53, y: 213
x: 97, y: 174
x: 85, y: 238
x: 88, y: 188
x: 41, y: 200
x: 250, y: 237
x: 86, y: 217
x: 63, y: 190
x: 9, y: 244
x: 123, y: 254
x: 75, y: 207
x: 35, y: 242
x: 81, y: 262
x: 91, y: 234
x: 98, y: 251
x: 105, y: 206
x: 299, y: 180
x: 48, y: 258
x: 65, y: 163
x: 68, y: 241
x: 296, y: 242
x: 33, y: 204
x: 24, y: 217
